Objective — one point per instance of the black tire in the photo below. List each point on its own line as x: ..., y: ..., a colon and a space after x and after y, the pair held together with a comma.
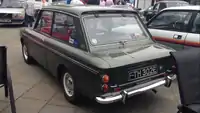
x: 27, y: 58
x: 74, y: 97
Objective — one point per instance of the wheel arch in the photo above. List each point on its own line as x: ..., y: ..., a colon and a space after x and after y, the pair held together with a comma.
x: 59, y: 70
x: 21, y: 40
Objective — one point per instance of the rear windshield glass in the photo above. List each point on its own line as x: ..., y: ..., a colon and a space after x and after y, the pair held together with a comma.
x: 113, y: 28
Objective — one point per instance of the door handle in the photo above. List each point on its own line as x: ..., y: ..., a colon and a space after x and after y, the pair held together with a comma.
x: 179, y: 37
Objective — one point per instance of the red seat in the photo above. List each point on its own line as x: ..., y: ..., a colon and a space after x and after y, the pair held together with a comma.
x: 64, y: 37
x: 46, y: 30
x: 58, y: 35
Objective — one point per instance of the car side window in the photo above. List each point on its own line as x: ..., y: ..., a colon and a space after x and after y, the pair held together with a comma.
x: 171, y: 20
x: 156, y: 7
x: 45, y: 22
x: 196, y: 24
x: 65, y: 30
x: 162, y: 6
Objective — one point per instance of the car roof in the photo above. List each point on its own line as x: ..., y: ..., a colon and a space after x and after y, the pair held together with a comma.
x: 80, y: 9
x: 179, y: 1
x: 189, y: 7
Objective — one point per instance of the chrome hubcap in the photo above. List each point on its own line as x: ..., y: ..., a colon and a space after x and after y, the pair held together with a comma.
x: 25, y: 52
x: 68, y: 84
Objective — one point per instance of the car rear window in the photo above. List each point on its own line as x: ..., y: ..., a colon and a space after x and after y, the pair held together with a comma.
x: 113, y: 28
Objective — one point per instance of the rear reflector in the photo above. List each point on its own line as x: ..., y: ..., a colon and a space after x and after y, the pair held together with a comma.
x: 117, y: 89
x: 105, y: 88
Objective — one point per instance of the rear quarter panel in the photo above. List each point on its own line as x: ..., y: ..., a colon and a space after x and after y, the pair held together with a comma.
x: 86, y: 76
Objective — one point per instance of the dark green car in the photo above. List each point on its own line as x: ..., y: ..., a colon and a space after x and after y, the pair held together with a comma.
x: 100, y: 52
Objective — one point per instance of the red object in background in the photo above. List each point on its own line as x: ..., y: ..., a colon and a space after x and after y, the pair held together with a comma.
x: 56, y: 34
x: 84, y: 1
x: 43, y: 1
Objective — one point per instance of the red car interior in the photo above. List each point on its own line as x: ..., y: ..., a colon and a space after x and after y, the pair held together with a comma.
x: 57, y: 34
x: 47, y: 29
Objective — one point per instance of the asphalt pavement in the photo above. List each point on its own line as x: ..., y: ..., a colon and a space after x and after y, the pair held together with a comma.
x: 36, y: 91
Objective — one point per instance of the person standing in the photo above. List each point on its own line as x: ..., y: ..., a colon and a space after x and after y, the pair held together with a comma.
x: 77, y: 2
x: 102, y: 3
x: 109, y: 3
x: 29, y: 16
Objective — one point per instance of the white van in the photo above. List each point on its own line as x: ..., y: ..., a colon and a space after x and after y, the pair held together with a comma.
x: 38, y: 3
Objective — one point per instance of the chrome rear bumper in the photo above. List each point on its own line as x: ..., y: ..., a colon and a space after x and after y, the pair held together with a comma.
x: 123, y: 95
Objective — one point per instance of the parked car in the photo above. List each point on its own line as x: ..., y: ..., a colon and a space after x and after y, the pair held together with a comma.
x: 129, y: 6
x: 12, y: 12
x: 146, y: 10
x: 177, y: 27
x: 103, y: 53
x: 162, y: 5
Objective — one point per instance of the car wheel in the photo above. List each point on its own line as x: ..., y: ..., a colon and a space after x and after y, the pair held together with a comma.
x: 27, y: 58
x: 69, y: 87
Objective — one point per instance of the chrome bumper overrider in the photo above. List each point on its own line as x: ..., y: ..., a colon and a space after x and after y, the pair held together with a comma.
x: 123, y: 95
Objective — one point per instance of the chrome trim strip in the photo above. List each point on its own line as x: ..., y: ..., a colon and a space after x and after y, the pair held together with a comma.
x: 119, y: 97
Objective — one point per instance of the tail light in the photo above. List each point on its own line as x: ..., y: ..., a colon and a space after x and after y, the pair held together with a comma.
x: 105, y: 78
x: 105, y: 88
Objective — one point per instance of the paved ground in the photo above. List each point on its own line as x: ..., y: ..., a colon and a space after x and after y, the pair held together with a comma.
x: 37, y: 92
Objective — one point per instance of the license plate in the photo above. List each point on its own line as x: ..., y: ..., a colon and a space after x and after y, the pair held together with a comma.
x: 143, y: 72
x: 5, y: 20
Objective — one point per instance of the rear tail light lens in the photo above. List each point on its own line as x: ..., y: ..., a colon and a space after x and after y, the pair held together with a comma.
x: 105, y: 88
x: 105, y: 78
